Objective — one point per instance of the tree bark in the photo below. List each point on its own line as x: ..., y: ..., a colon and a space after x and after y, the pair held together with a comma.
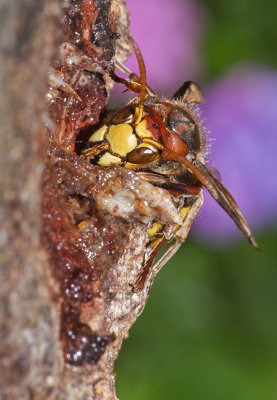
x: 29, y: 328
x: 67, y: 302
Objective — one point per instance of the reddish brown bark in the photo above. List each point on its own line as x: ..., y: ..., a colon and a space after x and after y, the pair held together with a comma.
x: 66, y: 306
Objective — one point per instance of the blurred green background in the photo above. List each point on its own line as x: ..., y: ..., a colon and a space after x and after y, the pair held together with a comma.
x: 209, y: 330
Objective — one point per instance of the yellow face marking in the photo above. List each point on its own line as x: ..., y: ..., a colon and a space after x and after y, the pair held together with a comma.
x: 141, y: 130
x: 137, y: 121
x: 121, y: 139
x: 108, y: 159
x: 98, y: 136
x: 138, y: 115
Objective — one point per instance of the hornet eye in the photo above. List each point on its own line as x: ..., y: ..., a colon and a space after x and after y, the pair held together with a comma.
x: 181, y: 123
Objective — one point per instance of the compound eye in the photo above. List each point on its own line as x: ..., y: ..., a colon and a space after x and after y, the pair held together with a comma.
x: 142, y: 155
x: 184, y: 126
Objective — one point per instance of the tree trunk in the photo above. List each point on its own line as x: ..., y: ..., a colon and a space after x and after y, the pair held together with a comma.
x: 67, y: 301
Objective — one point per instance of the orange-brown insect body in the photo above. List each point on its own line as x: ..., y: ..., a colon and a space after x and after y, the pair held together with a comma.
x: 164, y: 142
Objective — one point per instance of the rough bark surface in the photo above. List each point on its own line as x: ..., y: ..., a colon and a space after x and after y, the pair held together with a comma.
x: 29, y: 330
x: 66, y: 305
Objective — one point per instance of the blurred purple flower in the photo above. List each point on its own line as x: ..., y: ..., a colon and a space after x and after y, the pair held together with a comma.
x: 240, y: 112
x: 168, y: 33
